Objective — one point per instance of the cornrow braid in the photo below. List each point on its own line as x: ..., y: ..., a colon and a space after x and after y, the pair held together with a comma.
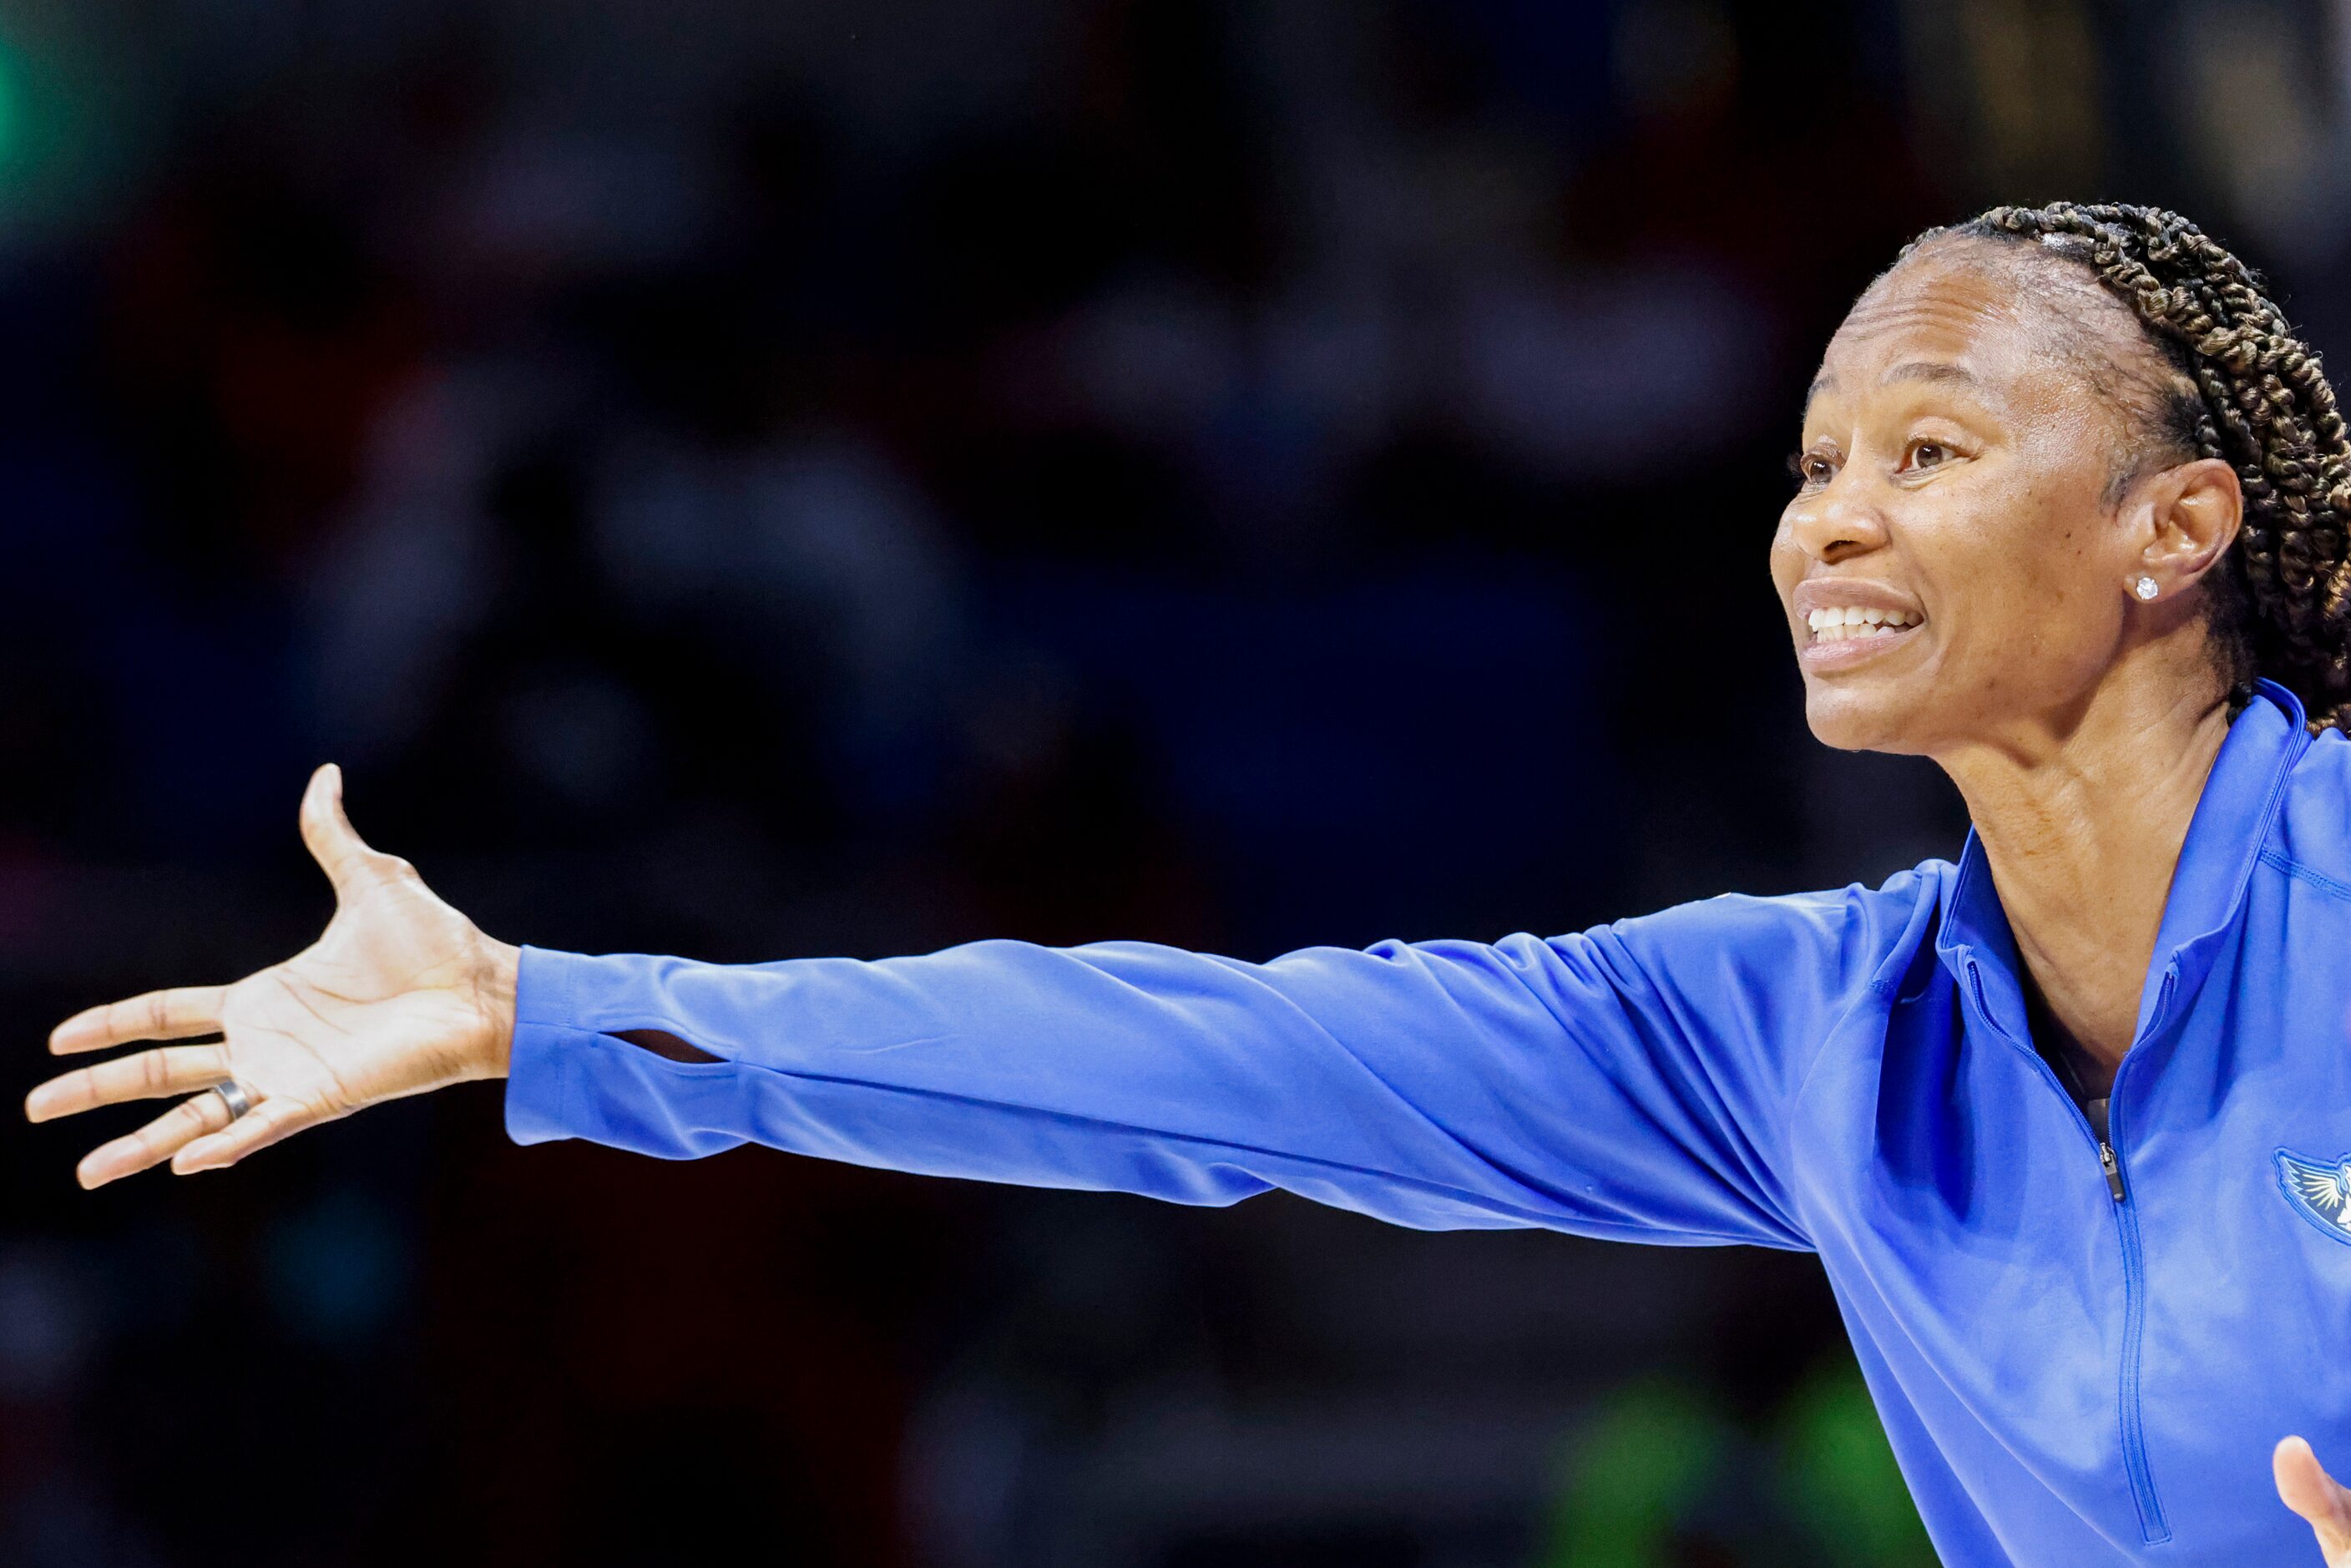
x: 2281, y: 600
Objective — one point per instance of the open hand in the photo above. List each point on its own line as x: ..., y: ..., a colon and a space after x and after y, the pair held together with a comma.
x: 2311, y: 1492
x: 401, y: 994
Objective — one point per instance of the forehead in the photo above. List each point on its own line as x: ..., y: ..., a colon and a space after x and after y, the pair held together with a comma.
x: 1930, y: 302
x: 2034, y: 331
x: 1940, y: 308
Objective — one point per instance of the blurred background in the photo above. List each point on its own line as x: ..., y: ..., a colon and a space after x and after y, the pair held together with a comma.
x: 753, y: 478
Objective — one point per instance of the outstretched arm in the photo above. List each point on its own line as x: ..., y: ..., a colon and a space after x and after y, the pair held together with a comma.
x: 1439, y: 1084
x: 1629, y: 1081
x: 401, y: 994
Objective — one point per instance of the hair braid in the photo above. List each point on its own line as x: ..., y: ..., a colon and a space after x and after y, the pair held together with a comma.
x: 2282, y: 599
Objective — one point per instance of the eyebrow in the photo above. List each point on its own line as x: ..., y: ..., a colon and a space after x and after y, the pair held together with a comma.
x: 1927, y: 371
x: 1909, y: 371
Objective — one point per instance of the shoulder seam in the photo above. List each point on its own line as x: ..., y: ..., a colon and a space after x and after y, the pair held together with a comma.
x: 2299, y: 873
x: 1885, y: 981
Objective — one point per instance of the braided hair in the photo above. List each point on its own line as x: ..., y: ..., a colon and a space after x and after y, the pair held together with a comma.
x: 2242, y: 388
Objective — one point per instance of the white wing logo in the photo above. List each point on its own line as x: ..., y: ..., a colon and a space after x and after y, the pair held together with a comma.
x: 2320, y: 1193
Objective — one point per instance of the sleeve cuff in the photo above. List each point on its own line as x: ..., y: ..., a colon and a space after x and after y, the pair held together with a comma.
x: 568, y: 1078
x: 546, y: 1045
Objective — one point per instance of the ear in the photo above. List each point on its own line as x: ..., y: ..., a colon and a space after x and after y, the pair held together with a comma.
x: 2189, y: 517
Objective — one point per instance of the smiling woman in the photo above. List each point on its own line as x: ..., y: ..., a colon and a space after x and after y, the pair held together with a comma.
x: 2131, y: 352
x: 2059, y: 1119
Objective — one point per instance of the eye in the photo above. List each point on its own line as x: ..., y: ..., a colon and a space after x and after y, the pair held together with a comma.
x: 1928, y: 455
x: 1811, y: 469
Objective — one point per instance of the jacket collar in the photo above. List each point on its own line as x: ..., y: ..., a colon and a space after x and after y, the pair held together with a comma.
x: 2225, y: 837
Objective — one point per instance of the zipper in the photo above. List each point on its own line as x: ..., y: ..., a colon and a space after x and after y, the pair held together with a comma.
x: 2153, y: 1528
x: 2114, y: 1169
x: 2151, y: 1523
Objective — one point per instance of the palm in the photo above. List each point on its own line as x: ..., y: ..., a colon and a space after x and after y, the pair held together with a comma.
x: 400, y: 994
x: 376, y: 1009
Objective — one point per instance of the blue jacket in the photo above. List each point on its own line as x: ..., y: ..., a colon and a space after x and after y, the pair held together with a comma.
x: 2069, y: 1378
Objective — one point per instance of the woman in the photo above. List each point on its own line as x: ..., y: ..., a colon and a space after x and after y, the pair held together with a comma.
x: 2068, y: 1122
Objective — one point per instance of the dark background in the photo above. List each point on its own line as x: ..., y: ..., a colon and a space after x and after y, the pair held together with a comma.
x: 751, y: 478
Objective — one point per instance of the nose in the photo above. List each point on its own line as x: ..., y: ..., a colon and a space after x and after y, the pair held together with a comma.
x: 1835, y: 522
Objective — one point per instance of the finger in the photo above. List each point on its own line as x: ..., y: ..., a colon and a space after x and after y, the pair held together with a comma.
x: 153, y: 1143
x: 333, y: 843
x: 176, y: 1014
x: 2306, y: 1488
x: 266, y: 1123
x: 174, y: 1069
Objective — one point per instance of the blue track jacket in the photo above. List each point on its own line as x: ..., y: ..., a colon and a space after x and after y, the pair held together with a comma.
x: 2070, y: 1377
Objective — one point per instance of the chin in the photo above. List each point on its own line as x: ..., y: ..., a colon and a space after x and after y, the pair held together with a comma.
x: 1856, y: 716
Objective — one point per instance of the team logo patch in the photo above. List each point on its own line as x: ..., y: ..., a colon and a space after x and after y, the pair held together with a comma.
x: 2319, y: 1191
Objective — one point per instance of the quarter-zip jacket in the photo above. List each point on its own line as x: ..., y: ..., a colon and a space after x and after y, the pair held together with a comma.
x: 2082, y: 1355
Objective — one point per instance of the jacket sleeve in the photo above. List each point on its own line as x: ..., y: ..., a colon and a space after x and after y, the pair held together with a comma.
x: 1630, y: 1082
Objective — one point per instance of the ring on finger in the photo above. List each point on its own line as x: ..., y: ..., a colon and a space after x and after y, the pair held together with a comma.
x: 234, y: 1095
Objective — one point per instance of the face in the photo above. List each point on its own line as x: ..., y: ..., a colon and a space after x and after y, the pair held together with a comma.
x: 1953, y: 566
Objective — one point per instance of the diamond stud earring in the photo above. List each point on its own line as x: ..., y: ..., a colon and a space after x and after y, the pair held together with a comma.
x: 2145, y: 588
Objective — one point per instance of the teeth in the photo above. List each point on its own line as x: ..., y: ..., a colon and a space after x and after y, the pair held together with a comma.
x: 1848, y: 622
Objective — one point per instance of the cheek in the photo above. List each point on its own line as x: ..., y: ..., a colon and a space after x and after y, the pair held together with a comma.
x: 1978, y: 574
x: 2067, y: 577
x: 2025, y: 588
x: 2055, y: 516
x: 1786, y: 561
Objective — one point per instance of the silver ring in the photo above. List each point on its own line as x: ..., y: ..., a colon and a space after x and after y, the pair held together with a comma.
x: 234, y: 1095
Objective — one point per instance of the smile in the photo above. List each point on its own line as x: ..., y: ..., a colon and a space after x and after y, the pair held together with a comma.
x: 1847, y: 635
x: 1858, y: 623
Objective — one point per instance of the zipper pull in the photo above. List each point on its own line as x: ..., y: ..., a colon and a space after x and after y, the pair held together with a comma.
x: 2113, y: 1167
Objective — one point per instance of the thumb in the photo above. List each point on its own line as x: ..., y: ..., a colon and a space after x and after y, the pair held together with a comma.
x: 341, y: 852
x: 2306, y: 1488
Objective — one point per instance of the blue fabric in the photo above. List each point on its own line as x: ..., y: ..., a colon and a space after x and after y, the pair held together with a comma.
x: 2066, y: 1379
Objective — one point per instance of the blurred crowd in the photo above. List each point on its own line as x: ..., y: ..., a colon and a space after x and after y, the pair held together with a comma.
x: 755, y: 479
